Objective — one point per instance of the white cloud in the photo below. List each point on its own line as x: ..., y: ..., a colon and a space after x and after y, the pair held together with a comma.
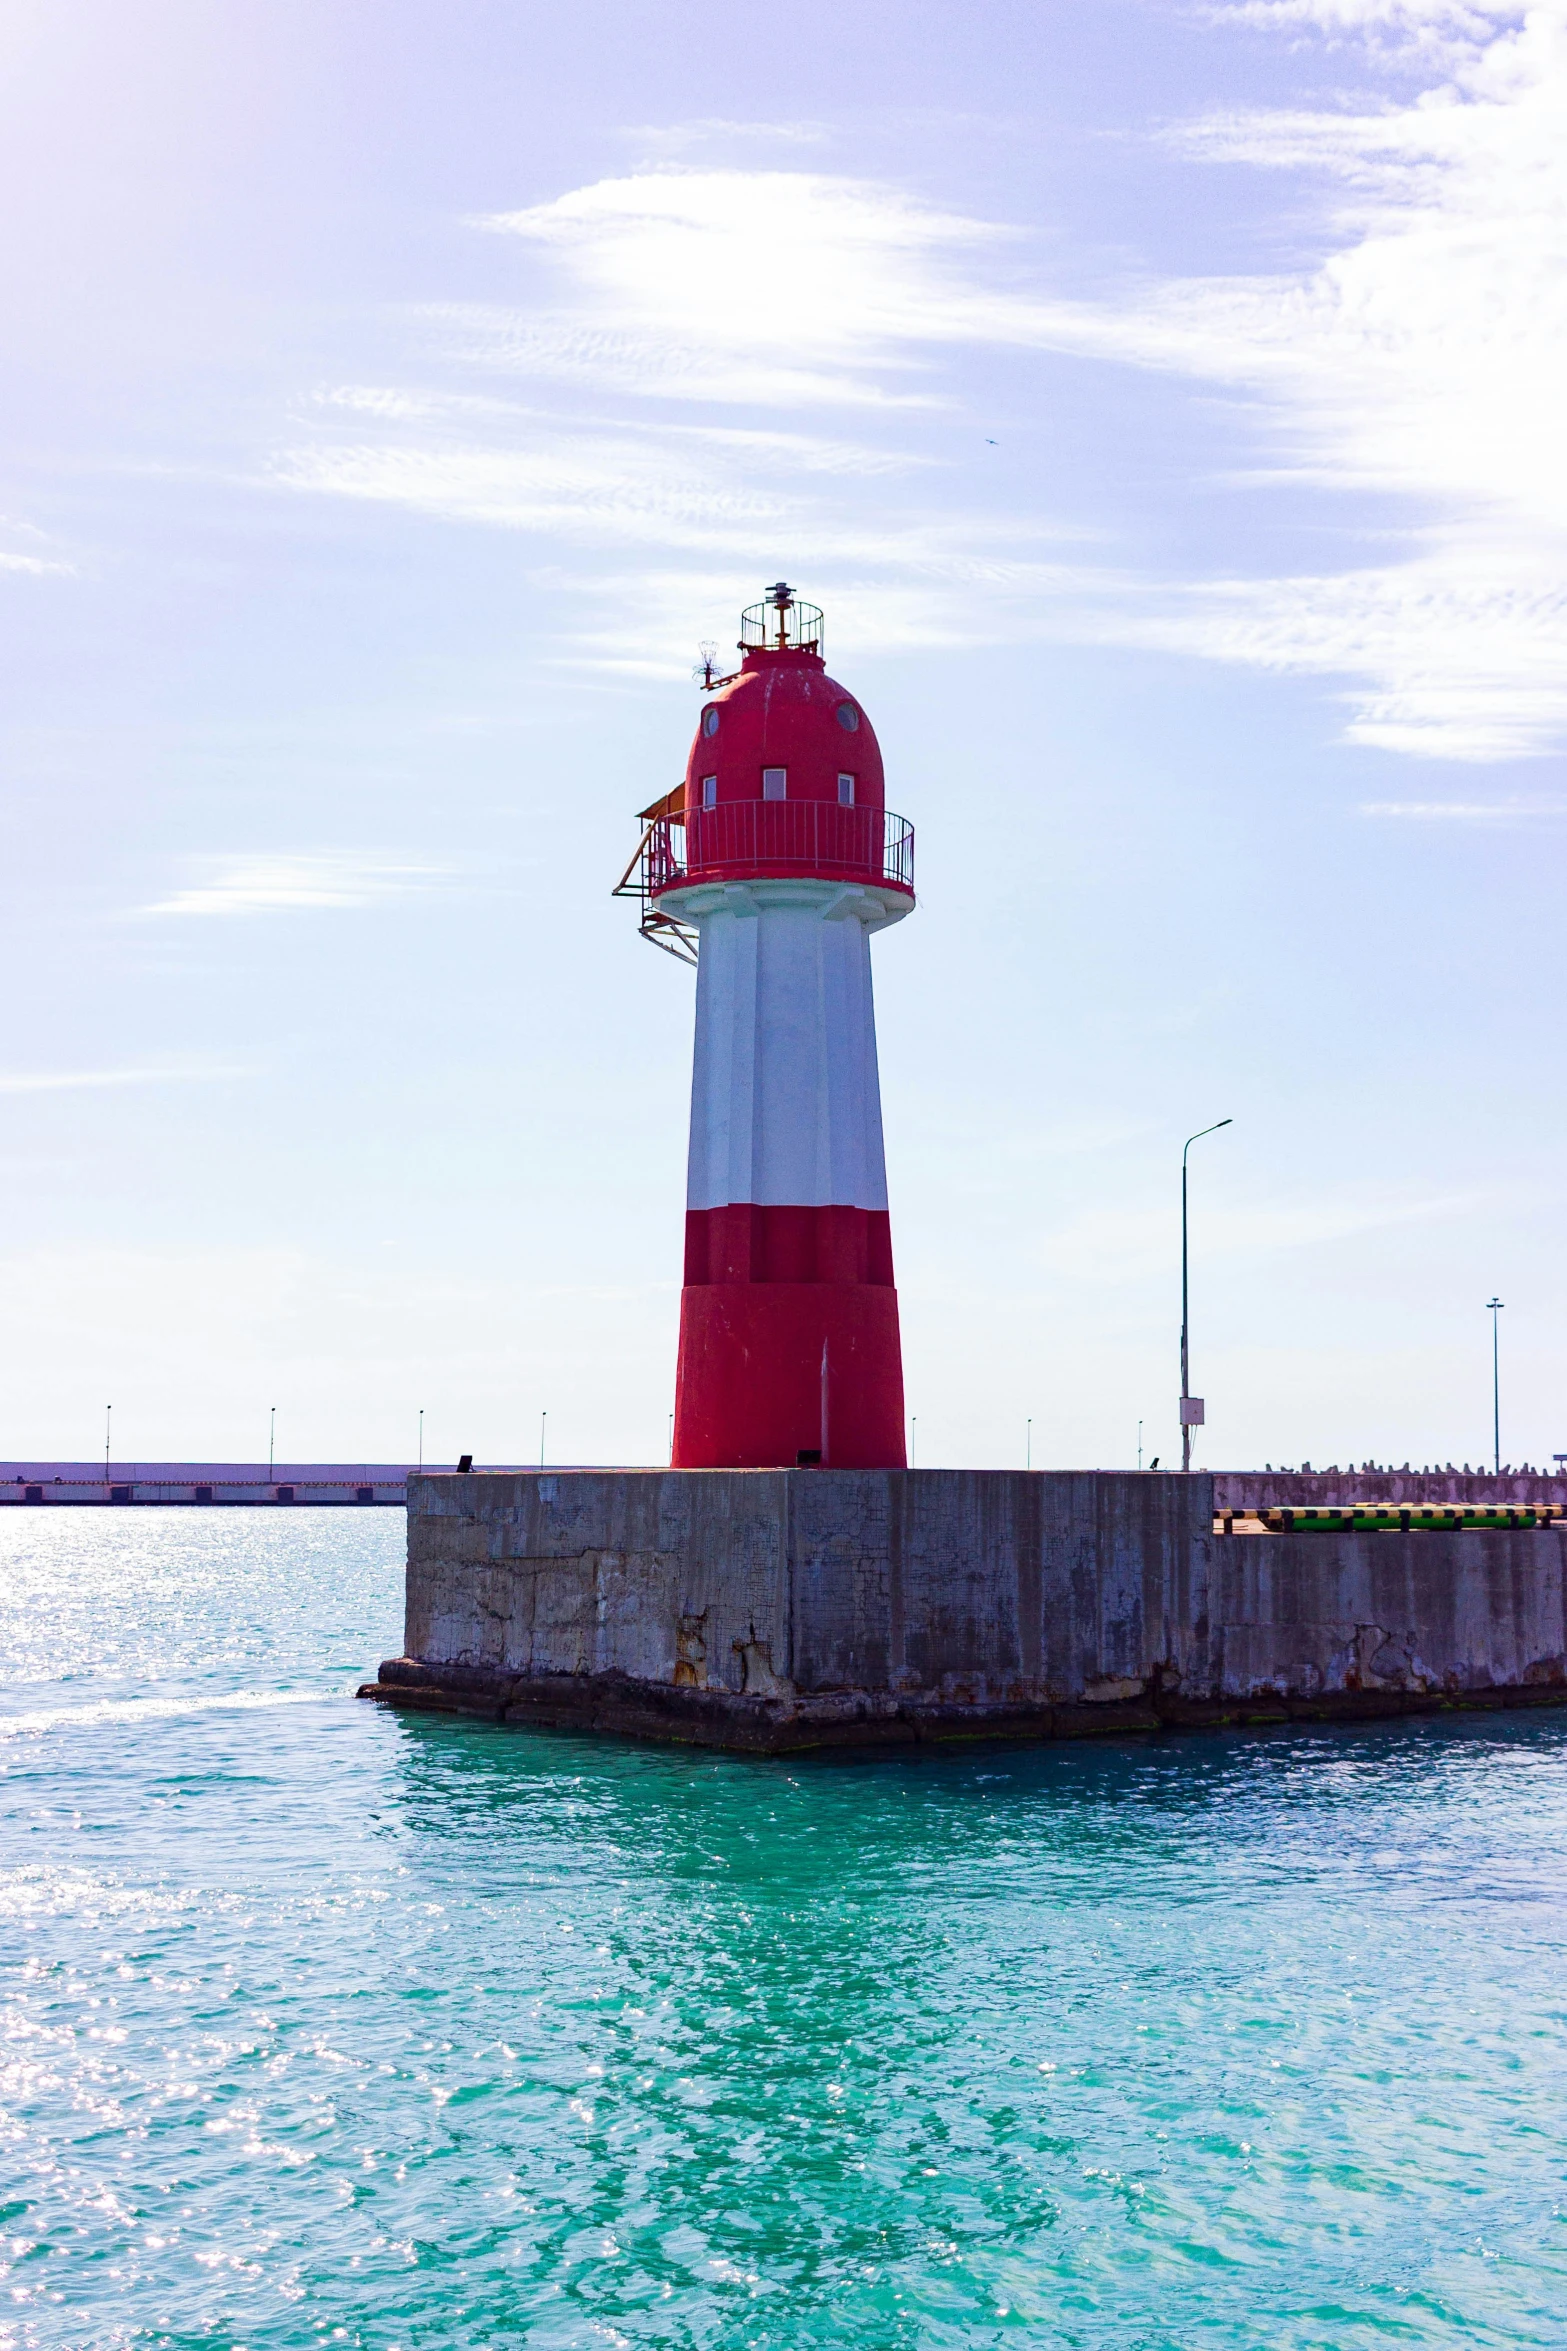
x: 578, y: 486
x: 1466, y: 811
x: 670, y: 296
x: 29, y: 558
x: 736, y: 496
x: 1421, y: 360
x: 73, y: 1080
x: 1425, y: 358
x: 666, y: 139
x: 1463, y: 653
x: 274, y: 882
x: 385, y: 402
x: 1415, y: 20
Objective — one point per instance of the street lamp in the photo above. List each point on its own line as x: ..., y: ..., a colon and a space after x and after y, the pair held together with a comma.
x: 1191, y: 1406
x: 1493, y: 1307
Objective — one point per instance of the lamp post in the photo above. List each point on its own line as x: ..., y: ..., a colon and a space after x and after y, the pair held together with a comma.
x: 421, y: 1436
x: 1191, y: 1406
x: 1493, y: 1307
x: 271, y: 1441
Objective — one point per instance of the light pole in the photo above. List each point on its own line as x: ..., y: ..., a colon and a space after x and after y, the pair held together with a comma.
x: 1191, y: 1406
x: 421, y: 1436
x: 543, y: 1418
x: 1028, y: 1443
x: 1493, y: 1307
x: 108, y: 1423
x: 271, y: 1442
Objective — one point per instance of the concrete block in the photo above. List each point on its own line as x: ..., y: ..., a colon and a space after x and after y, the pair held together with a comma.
x: 792, y: 1608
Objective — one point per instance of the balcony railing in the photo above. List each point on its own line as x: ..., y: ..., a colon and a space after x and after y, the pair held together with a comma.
x: 739, y: 839
x: 786, y: 626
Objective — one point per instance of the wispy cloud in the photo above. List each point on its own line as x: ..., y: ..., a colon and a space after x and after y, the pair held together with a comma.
x: 1420, y: 360
x: 1467, y: 811
x: 1460, y: 653
x: 697, y: 502
x: 273, y: 883
x: 70, y: 1081
x: 661, y: 140
x: 622, y: 488
x: 667, y: 298
x: 32, y: 555
x: 1425, y: 358
x: 1422, y: 21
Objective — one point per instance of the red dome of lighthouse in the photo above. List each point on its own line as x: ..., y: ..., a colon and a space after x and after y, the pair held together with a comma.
x: 783, y: 714
x: 784, y: 778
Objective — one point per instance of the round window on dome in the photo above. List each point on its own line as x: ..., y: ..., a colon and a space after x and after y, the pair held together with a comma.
x: 710, y: 721
x: 848, y: 716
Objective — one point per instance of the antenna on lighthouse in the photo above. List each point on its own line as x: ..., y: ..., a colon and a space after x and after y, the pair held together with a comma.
x: 706, y: 665
x: 781, y: 597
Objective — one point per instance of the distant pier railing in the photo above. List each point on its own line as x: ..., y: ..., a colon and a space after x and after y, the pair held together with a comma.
x: 219, y: 1484
x: 354, y: 1485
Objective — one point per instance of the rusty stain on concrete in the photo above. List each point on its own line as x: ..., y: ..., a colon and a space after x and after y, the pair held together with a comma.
x: 691, y: 1652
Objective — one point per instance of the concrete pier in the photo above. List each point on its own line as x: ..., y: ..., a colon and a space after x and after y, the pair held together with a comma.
x: 55, y: 1485
x: 781, y: 1609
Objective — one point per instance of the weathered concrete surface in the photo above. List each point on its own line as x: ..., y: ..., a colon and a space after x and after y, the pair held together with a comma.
x: 1384, y: 1623
x: 793, y: 1608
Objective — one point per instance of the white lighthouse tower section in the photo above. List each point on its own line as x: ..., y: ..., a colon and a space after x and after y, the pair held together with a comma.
x: 785, y: 1096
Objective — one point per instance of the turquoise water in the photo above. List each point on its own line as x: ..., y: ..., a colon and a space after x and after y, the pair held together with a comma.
x: 329, y: 2027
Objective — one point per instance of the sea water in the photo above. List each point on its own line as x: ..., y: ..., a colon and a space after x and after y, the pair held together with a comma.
x: 326, y: 2026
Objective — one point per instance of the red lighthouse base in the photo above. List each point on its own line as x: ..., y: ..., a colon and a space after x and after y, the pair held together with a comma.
x: 776, y: 1373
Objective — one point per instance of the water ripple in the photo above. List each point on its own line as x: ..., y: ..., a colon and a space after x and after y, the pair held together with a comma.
x: 328, y: 2027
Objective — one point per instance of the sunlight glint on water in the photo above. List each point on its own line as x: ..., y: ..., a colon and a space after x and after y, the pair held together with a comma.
x: 325, y: 2026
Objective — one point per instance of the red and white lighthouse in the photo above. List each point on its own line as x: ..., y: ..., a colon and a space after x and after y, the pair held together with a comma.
x: 772, y: 864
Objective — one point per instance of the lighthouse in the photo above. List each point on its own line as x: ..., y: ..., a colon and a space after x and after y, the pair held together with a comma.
x: 770, y: 866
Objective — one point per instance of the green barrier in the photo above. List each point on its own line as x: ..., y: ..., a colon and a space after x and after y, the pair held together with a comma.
x: 1418, y: 1518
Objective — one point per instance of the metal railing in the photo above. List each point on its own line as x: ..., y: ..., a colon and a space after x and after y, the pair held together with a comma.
x: 790, y: 627
x: 762, y: 838
x: 784, y: 836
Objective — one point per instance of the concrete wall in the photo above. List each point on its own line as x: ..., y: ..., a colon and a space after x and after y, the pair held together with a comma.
x: 801, y: 1607
x: 1302, y: 1616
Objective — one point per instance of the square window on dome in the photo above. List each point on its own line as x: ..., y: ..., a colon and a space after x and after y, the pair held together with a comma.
x: 775, y: 783
x: 710, y: 791
x: 846, y: 791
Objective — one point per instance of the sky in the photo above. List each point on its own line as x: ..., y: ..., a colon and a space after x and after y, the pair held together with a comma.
x: 1165, y: 404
